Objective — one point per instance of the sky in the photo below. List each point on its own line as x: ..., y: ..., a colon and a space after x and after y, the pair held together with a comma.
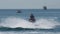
x: 29, y: 4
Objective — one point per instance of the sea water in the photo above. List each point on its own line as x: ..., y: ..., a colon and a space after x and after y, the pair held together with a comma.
x: 47, y: 21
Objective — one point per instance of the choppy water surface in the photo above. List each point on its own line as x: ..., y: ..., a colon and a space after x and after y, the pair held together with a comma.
x: 47, y: 21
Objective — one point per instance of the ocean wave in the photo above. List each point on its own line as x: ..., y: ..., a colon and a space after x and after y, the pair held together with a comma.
x: 42, y: 23
x: 19, y: 29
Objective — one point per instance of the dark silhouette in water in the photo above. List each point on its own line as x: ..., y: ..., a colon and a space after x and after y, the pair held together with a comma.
x: 45, y: 8
x: 18, y: 11
x: 32, y: 18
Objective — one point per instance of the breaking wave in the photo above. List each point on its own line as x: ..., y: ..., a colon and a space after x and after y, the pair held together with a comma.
x: 42, y: 23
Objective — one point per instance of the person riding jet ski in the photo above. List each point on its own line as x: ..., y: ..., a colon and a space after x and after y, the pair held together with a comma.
x: 32, y: 18
x: 18, y: 11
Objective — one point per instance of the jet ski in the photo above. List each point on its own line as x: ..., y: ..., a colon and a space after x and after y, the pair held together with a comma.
x: 18, y: 11
x: 45, y: 8
x: 32, y: 18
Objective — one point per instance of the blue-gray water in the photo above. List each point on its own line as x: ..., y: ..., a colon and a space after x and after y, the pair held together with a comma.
x: 47, y: 21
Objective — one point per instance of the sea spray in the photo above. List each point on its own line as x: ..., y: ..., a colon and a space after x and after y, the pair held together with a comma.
x: 42, y: 23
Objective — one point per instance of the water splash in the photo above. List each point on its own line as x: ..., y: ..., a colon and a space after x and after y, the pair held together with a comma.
x: 14, y: 22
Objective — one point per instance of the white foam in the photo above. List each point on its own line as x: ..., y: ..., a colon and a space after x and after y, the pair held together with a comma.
x: 19, y: 22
